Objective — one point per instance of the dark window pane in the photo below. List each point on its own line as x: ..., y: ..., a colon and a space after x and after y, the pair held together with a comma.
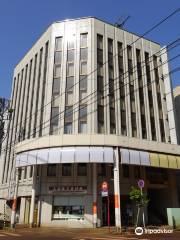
x: 66, y: 169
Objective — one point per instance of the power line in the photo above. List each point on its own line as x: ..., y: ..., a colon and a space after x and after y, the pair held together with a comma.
x: 141, y: 36
x: 169, y: 46
x: 165, y: 19
x: 93, y: 97
x: 33, y: 139
x: 106, y: 85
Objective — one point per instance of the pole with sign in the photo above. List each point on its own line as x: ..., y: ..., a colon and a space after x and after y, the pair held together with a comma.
x: 141, y: 186
x: 104, y: 193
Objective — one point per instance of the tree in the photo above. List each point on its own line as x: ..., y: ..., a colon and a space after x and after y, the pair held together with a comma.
x: 141, y: 200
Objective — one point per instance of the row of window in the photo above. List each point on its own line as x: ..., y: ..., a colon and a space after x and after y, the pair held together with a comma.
x: 68, y: 168
x: 70, y: 80
x: 31, y: 77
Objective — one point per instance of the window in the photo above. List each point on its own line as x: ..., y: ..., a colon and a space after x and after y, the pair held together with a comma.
x: 69, y: 83
x: 55, y: 115
x: 99, y: 69
x: 68, y: 120
x: 58, y: 57
x: 70, y: 69
x: 82, y: 118
x: 137, y: 172
x: 66, y: 169
x: 68, y: 128
x: 102, y: 169
x: 67, y: 212
x: 82, y: 169
x: 83, y: 40
x: 99, y: 41
x: 71, y: 43
x: 83, y: 53
x: 51, y: 170
x: 57, y: 70
x: 82, y: 111
x: 70, y: 56
x: 100, y: 83
x: 69, y: 98
x: 83, y: 83
x: 69, y: 114
x: 125, y: 171
x: 101, y: 113
x: 83, y: 127
x: 19, y: 174
x: 56, y: 86
x: 83, y: 68
x: 25, y: 172
x: 31, y: 171
x: 58, y: 44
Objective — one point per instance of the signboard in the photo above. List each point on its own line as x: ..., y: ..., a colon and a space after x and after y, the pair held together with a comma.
x: 141, y: 183
x: 67, y: 189
x: 104, y: 189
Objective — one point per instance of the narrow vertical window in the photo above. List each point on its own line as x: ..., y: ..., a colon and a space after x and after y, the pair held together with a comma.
x: 43, y: 88
x: 150, y: 96
x: 83, y: 84
x: 131, y: 92
x: 37, y: 92
x: 159, y: 101
x: 69, y: 90
x: 32, y: 95
x: 111, y: 87
x: 122, y: 89
x: 141, y: 94
x: 100, y: 84
x: 58, y: 52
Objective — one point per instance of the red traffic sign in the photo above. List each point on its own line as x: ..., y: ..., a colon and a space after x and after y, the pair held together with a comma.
x: 104, y: 186
x: 141, y: 183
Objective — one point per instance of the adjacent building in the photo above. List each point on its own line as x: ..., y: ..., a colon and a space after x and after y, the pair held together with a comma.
x: 92, y: 103
x: 177, y: 110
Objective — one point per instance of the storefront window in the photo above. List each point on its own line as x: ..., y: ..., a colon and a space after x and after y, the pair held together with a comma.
x: 82, y: 169
x: 67, y: 212
x: 66, y: 169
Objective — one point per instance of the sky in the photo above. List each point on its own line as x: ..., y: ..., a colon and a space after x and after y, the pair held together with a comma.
x: 23, y: 21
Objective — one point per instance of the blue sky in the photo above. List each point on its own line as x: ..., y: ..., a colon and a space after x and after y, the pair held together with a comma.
x: 22, y: 22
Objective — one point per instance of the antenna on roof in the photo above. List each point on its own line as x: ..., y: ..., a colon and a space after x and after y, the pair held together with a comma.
x: 121, y: 21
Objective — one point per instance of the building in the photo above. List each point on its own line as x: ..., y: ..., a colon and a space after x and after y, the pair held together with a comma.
x: 176, y: 93
x: 92, y: 103
x: 177, y: 110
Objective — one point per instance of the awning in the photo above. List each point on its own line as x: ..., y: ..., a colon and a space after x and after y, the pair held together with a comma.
x: 97, y: 155
x: 143, y: 158
x: 66, y: 155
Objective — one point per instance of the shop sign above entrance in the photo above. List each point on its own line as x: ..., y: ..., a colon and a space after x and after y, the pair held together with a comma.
x: 67, y: 189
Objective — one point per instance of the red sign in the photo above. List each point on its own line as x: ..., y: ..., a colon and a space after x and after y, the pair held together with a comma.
x: 104, y: 186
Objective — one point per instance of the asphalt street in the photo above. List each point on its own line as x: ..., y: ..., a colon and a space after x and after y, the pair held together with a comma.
x: 79, y: 234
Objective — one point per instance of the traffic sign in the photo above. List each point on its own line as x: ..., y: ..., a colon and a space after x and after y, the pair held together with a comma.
x: 141, y: 183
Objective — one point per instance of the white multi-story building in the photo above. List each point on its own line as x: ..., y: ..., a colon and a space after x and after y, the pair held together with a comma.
x: 91, y: 103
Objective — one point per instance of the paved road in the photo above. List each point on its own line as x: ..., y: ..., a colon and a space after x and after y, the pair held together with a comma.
x: 78, y: 234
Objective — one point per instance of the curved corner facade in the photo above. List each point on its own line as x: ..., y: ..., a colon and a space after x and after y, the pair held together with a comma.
x: 92, y: 103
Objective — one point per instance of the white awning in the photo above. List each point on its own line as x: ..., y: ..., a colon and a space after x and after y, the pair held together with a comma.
x: 65, y: 155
